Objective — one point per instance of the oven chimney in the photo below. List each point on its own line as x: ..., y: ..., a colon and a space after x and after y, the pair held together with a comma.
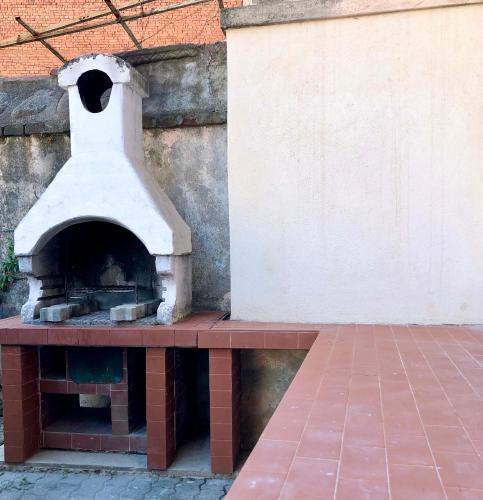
x: 105, y: 105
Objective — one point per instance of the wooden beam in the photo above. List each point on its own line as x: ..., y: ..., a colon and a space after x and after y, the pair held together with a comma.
x: 126, y: 28
x: 19, y: 39
x: 43, y: 42
x: 69, y: 31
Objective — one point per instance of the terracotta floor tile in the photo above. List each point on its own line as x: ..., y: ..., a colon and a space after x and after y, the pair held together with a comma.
x: 398, y: 425
x: 432, y: 414
x: 320, y: 442
x: 331, y: 417
x: 365, y: 409
x: 396, y: 408
x: 283, y: 428
x: 409, y: 450
x: 271, y: 456
x: 479, y: 448
x: 256, y: 485
x: 475, y: 431
x: 335, y: 377
x: 286, y: 425
x: 429, y: 376
x: 362, y: 489
x: 362, y: 430
x: 460, y: 470
x: 310, y: 478
x: 360, y: 462
x: 464, y: 494
x: 410, y: 482
x: 452, y: 439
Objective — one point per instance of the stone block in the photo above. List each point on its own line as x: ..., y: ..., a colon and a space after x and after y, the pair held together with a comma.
x: 132, y: 312
x: 61, y: 312
x: 56, y: 313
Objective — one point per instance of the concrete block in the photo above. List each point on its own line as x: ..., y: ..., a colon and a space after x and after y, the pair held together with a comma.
x: 61, y: 312
x: 132, y: 312
x: 56, y: 313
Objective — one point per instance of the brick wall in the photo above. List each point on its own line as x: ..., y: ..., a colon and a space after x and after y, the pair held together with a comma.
x: 196, y: 24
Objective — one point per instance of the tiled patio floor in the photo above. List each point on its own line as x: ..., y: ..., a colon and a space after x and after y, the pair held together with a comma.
x: 376, y: 412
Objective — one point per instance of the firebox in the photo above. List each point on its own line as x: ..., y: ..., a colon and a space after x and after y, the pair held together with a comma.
x: 104, y: 244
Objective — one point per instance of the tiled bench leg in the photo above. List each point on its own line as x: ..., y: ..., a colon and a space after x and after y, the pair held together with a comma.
x: 225, y: 392
x: 20, y: 402
x: 160, y: 407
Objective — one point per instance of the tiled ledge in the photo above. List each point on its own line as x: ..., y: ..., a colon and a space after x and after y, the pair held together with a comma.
x: 376, y: 412
x: 204, y: 330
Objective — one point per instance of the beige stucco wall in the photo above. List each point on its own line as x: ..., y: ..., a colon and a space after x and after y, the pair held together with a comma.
x: 355, y: 160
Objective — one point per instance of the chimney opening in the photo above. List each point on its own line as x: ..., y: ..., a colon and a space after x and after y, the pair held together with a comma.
x: 94, y: 90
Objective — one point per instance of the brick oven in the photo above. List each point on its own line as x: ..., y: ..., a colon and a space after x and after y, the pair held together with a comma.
x: 106, y: 355
x: 103, y: 248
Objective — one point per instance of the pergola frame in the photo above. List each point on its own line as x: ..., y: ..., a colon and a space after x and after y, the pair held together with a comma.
x: 81, y: 23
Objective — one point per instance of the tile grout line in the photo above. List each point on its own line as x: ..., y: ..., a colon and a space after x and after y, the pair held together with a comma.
x: 470, y: 333
x: 469, y: 354
x: 379, y: 376
x: 463, y: 376
x: 311, y: 409
x: 337, y: 479
x: 449, y: 400
x: 420, y: 418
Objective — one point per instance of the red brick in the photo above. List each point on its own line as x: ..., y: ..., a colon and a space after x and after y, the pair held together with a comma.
x: 87, y: 442
x: 155, y: 364
x: 201, y: 26
x: 221, y: 382
x: 281, y: 340
x: 119, y: 397
x: 161, y: 338
x: 94, y: 337
x: 220, y: 365
x: 220, y: 353
x: 33, y: 336
x: 74, y: 388
x: 248, y: 340
x: 221, y: 399
x: 214, y: 339
x: 138, y: 444
x: 221, y: 415
x: 59, y: 440
x: 126, y: 337
x: 306, y: 339
x: 63, y: 336
x: 120, y: 427
x: 119, y: 412
x: 186, y: 338
x: 53, y: 386
x: 221, y: 432
x: 221, y: 448
x: 115, y: 443
x: 156, y: 396
x: 15, y: 454
x: 222, y: 465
